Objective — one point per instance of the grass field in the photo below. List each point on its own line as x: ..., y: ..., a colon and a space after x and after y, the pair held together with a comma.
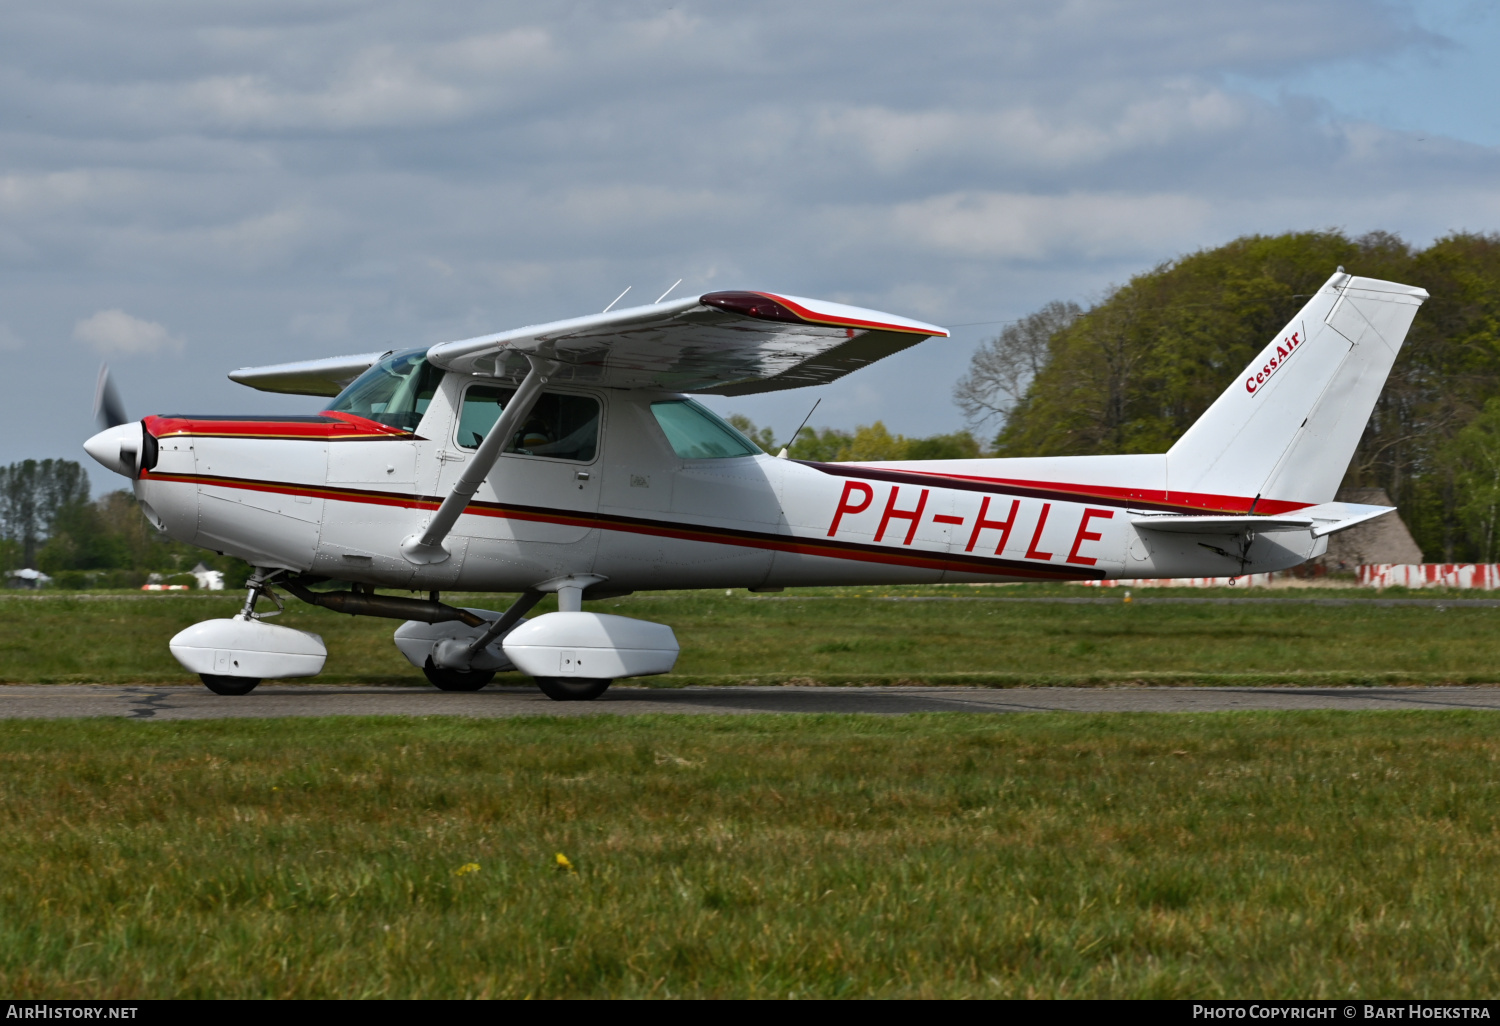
x: 1299, y: 855
x: 952, y: 635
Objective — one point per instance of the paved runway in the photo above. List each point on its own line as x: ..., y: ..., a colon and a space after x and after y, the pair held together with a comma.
x: 270, y: 700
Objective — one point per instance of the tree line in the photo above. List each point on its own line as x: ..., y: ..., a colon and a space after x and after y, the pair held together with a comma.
x: 866, y: 442
x: 49, y: 523
x: 1134, y: 370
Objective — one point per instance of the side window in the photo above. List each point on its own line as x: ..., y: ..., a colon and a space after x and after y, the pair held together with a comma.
x: 696, y: 433
x: 563, y: 427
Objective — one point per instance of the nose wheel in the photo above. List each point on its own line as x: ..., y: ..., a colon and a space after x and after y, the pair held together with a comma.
x: 222, y: 685
x: 572, y: 689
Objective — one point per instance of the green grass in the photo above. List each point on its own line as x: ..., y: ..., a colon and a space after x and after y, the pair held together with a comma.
x: 1288, y: 854
x: 842, y: 636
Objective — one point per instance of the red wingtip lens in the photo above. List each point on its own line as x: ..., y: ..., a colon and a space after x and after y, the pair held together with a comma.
x: 750, y: 304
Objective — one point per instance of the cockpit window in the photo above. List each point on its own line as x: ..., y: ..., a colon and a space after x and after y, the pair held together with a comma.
x: 696, y: 433
x: 564, y: 427
x: 396, y: 391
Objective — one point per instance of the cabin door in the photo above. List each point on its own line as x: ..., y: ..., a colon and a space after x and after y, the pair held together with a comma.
x: 544, y: 488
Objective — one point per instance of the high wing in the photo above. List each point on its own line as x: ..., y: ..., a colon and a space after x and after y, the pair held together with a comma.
x: 307, y: 377
x: 721, y: 343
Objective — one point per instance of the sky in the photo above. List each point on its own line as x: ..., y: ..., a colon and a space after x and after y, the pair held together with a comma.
x: 187, y: 188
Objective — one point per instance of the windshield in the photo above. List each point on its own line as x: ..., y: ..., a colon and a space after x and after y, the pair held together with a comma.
x: 396, y: 391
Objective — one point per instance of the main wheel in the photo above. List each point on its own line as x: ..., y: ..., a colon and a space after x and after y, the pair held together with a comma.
x: 457, y: 680
x: 222, y: 685
x: 572, y: 689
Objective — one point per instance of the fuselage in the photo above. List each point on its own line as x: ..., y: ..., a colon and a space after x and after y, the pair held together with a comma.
x: 640, y: 505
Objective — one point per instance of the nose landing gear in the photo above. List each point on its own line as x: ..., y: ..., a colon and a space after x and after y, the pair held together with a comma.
x: 232, y: 656
x: 220, y: 684
x: 572, y: 689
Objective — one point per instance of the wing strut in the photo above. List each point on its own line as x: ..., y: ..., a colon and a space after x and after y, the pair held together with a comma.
x: 428, y: 546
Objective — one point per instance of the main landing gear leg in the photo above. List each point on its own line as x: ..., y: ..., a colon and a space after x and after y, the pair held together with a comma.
x: 464, y: 677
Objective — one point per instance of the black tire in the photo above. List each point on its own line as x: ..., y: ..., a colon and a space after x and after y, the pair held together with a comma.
x: 457, y: 680
x: 572, y: 689
x: 222, y: 685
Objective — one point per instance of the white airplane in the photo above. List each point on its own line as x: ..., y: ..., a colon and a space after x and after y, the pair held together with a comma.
x: 568, y: 458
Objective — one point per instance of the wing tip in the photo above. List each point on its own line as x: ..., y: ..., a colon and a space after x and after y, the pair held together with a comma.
x: 771, y: 306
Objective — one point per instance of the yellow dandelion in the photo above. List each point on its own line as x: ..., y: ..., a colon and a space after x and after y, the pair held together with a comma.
x: 563, y: 863
x: 466, y: 869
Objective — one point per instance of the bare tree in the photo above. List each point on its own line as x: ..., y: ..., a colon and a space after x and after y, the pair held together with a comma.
x: 1003, y: 368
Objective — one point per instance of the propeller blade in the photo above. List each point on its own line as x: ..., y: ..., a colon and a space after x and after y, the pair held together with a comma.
x: 108, y: 409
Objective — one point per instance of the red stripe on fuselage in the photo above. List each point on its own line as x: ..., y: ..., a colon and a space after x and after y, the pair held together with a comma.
x: 348, y: 427
x: 324, y: 427
x: 1135, y: 498
x: 964, y: 563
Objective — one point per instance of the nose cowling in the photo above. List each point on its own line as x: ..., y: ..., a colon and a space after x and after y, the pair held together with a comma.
x: 119, y: 448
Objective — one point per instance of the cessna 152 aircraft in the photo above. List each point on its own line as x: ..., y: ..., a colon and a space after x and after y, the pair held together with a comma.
x: 567, y: 458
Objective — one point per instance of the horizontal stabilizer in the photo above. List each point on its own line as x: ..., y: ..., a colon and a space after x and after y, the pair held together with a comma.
x: 1325, y: 519
x: 328, y: 376
x: 1333, y: 517
x: 1222, y: 525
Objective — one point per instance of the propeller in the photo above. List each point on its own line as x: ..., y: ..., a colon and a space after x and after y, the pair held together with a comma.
x: 120, y: 445
x: 108, y: 409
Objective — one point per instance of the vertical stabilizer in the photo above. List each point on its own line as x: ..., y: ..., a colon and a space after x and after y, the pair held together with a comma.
x: 1287, y: 426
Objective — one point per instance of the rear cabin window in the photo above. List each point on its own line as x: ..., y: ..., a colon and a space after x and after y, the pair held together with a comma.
x: 564, y: 427
x: 696, y: 432
x: 396, y: 391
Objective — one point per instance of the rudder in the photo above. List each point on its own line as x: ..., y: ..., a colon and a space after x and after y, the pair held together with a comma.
x: 1287, y: 427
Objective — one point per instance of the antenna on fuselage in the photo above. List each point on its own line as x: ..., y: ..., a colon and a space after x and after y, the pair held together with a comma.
x: 617, y: 299
x: 782, y: 454
x: 667, y: 293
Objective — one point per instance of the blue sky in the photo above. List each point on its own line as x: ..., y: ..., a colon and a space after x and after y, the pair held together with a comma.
x: 1443, y: 85
x: 189, y: 188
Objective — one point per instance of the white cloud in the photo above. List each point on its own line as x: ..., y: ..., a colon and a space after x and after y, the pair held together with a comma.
x: 1034, y: 135
x: 520, y: 49
x: 37, y: 196
x: 10, y: 342
x: 1020, y: 226
x: 378, y: 89
x: 115, y: 332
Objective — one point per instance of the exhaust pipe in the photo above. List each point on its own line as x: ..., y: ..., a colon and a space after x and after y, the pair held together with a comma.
x: 357, y: 603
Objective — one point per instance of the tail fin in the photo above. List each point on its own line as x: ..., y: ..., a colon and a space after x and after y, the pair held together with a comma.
x: 1287, y: 427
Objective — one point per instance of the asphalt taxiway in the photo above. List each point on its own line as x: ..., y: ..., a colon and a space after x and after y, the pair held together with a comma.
x: 149, y: 702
